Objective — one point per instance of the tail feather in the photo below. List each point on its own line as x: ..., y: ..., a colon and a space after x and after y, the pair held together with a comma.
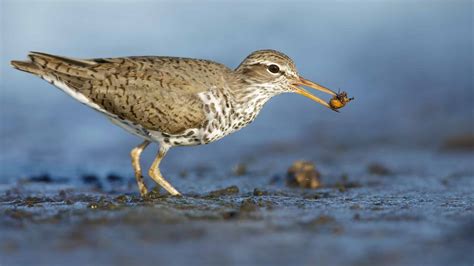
x: 29, y: 67
x: 46, y: 64
x: 70, y: 75
x: 55, y: 58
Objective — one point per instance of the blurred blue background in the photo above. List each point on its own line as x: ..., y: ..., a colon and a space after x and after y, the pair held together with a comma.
x: 407, y: 63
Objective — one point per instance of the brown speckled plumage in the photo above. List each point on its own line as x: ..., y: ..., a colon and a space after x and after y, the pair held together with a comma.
x: 170, y: 100
x: 159, y: 93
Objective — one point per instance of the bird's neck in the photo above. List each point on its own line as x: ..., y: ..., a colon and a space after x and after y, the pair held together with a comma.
x: 249, y: 100
x: 249, y: 95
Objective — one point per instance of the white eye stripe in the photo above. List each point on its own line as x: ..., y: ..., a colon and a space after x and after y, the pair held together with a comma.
x: 284, y: 69
x: 265, y: 62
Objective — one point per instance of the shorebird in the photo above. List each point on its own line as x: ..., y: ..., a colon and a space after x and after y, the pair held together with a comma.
x: 174, y: 101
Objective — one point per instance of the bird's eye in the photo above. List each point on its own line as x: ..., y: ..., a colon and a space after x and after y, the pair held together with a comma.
x: 273, y: 69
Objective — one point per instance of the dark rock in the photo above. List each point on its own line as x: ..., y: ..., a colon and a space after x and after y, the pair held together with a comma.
x: 464, y: 142
x: 232, y: 190
x: 114, y: 178
x: 378, y: 169
x: 257, y: 192
x: 303, y: 174
x: 90, y: 179
x: 44, y: 178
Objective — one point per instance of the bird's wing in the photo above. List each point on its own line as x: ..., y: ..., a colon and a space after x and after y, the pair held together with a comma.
x: 158, y: 93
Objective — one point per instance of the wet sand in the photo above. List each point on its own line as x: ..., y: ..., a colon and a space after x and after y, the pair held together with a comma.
x: 374, y: 206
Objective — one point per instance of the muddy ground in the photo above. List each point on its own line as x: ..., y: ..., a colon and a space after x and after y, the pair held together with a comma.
x: 376, y: 205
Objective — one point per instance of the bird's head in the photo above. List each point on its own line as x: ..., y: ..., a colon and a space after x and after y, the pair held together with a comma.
x: 275, y: 73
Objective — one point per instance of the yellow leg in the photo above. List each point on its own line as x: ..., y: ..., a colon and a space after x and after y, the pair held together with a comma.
x: 155, y: 173
x: 135, y: 154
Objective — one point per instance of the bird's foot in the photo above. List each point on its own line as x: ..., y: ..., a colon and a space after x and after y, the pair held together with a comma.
x: 143, y: 190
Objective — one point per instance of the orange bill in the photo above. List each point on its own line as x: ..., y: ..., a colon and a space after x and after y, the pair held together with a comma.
x: 307, y: 83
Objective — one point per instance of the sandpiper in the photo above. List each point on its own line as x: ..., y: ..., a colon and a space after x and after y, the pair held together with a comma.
x: 173, y: 101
